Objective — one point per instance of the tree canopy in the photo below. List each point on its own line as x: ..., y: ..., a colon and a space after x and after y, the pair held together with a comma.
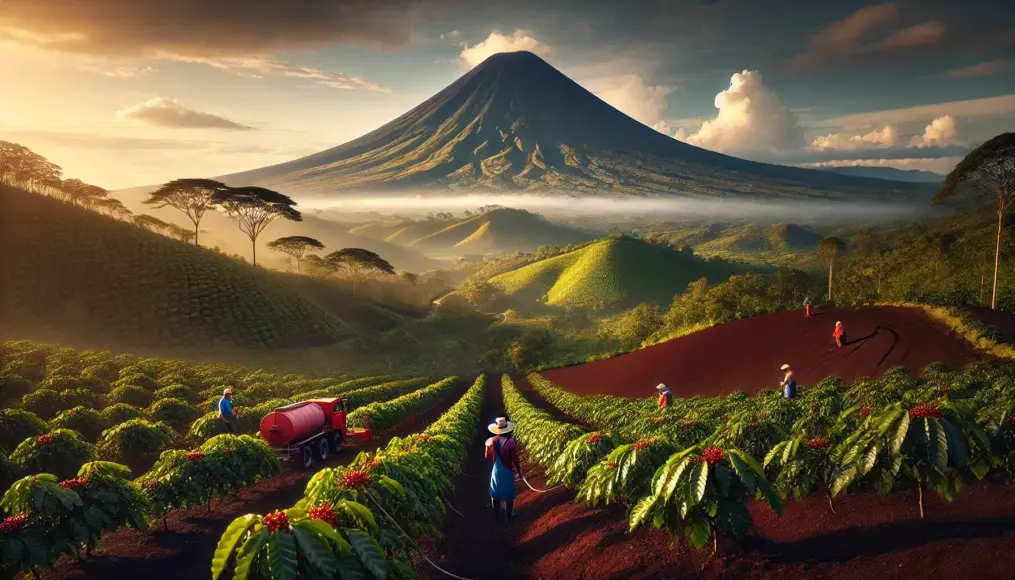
x: 295, y: 246
x: 987, y: 172
x: 21, y: 166
x: 357, y: 261
x: 253, y: 208
x: 82, y: 193
x: 191, y: 196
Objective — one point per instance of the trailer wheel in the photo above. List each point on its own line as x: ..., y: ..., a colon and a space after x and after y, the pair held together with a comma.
x: 307, y: 456
x: 322, y: 449
x: 335, y: 442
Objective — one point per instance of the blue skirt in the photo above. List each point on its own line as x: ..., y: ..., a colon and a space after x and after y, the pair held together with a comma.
x: 502, y: 481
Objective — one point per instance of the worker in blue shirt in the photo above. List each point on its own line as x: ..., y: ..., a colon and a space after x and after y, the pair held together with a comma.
x: 226, y: 412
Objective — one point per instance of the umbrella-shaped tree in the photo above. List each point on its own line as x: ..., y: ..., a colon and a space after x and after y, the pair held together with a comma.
x: 987, y: 173
x: 253, y: 208
x: 295, y: 246
x: 358, y: 261
x: 193, y: 197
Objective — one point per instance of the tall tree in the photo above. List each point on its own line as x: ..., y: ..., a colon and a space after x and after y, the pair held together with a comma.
x: 253, y: 208
x: 358, y: 261
x: 987, y: 173
x: 113, y: 207
x: 150, y: 222
x: 81, y: 193
x: 829, y: 249
x: 295, y: 246
x: 22, y: 167
x: 193, y: 197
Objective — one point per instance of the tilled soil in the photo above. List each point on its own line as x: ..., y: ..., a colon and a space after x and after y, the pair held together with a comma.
x: 746, y: 354
x: 185, y: 550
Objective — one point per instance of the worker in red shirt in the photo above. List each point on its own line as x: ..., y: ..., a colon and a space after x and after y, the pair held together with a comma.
x: 839, y: 334
x: 665, y: 396
x: 502, y: 451
x: 808, y: 308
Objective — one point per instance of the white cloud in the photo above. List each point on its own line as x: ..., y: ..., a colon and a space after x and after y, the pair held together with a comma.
x: 942, y: 132
x: 263, y: 67
x: 752, y: 121
x: 497, y: 43
x: 163, y: 112
x: 940, y: 165
x: 638, y: 100
x: 888, y: 136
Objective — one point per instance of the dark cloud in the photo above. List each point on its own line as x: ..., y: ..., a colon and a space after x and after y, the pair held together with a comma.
x: 982, y: 69
x: 163, y: 112
x: 211, y: 27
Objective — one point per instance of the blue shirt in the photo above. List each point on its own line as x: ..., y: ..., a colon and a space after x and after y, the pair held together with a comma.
x: 226, y: 407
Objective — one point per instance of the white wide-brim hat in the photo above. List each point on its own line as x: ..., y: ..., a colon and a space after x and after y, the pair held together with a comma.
x: 784, y: 367
x: 227, y: 392
x: 660, y: 387
x: 501, y: 426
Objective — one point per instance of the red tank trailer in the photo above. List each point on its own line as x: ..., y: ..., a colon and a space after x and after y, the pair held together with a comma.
x: 310, y: 429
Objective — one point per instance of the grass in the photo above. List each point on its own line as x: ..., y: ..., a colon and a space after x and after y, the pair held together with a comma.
x: 615, y: 272
x: 500, y: 230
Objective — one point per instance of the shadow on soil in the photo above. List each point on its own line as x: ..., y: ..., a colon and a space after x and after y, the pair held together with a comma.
x: 853, y: 543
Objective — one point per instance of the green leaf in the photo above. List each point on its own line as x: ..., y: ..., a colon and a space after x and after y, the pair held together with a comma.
x: 228, y: 543
x: 698, y: 532
x: 315, y: 549
x: 641, y: 511
x: 247, y: 555
x: 282, y: 560
x: 369, y: 553
x: 350, y: 567
x: 900, y: 433
x: 735, y: 518
x: 937, y: 445
x: 699, y: 481
x: 360, y: 512
x: 723, y: 478
x: 322, y: 529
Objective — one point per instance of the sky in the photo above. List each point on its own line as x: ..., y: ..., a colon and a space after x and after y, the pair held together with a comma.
x: 125, y: 93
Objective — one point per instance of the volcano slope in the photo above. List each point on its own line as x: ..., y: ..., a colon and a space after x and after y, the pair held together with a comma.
x: 746, y: 354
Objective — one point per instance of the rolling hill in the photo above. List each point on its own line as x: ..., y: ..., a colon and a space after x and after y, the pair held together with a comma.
x: 515, y: 123
x: 615, y: 272
x: 500, y: 230
x: 71, y: 273
x: 890, y: 173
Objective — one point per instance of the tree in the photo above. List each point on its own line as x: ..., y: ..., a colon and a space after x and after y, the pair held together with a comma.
x: 987, y: 172
x: 874, y: 254
x: 409, y: 278
x: 193, y: 197
x: 357, y: 261
x: 113, y: 207
x: 182, y: 234
x: 253, y: 208
x: 20, y: 166
x: 829, y: 249
x: 81, y: 193
x: 295, y: 246
x: 150, y: 223
x: 318, y: 266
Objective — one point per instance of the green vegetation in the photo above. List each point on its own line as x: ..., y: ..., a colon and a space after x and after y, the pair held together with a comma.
x: 500, y: 230
x: 384, y: 415
x: 614, y: 272
x: 60, y: 452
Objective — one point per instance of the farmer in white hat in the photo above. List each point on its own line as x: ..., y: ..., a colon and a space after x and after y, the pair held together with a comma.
x: 503, y: 451
x: 226, y: 411
x: 665, y: 396
x: 788, y: 383
x: 840, y: 334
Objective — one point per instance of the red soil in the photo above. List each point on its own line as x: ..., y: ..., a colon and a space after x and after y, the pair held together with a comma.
x: 868, y: 538
x: 185, y: 550
x: 746, y: 354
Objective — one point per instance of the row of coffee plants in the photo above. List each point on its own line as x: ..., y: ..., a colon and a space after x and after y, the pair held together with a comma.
x: 938, y: 432
x: 383, y: 415
x: 363, y: 520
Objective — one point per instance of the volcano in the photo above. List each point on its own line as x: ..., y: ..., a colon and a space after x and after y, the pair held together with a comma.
x: 516, y: 124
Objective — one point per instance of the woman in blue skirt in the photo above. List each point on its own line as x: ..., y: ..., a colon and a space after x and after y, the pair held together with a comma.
x: 503, y: 451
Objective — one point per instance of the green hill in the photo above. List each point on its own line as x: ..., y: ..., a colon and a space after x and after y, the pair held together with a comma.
x: 70, y: 272
x: 615, y: 272
x: 501, y: 230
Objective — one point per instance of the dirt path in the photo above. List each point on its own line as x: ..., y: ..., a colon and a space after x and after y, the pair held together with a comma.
x: 185, y: 550
x: 746, y: 354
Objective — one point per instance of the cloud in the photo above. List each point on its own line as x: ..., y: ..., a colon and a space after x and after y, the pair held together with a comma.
x: 1002, y: 106
x: 119, y: 72
x: 497, y: 43
x: 941, y: 165
x: 163, y: 112
x: 983, y: 69
x: 638, y: 100
x: 91, y: 142
x: 942, y: 132
x: 253, y: 67
x: 752, y: 121
x: 888, y: 136
x: 850, y: 39
x: 212, y: 28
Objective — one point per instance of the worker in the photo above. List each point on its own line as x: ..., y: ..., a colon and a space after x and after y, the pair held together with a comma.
x: 665, y: 396
x: 839, y: 334
x: 788, y: 383
x: 502, y: 450
x: 808, y: 308
x: 226, y: 411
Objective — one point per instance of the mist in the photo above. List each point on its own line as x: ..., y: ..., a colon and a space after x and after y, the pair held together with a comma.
x: 655, y: 208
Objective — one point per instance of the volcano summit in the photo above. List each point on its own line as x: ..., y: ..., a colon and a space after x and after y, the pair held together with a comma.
x: 514, y: 123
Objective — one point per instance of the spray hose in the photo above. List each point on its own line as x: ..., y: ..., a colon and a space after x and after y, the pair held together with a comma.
x: 540, y: 490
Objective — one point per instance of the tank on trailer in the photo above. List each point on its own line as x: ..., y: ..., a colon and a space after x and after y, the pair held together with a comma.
x: 315, y: 427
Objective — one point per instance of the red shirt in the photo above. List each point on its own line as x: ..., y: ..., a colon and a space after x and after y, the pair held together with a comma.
x: 838, y: 331
x: 508, y: 451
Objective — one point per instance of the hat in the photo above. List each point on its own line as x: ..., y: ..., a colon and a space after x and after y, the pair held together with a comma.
x: 501, y: 426
x: 784, y: 367
x: 227, y: 391
x: 660, y: 387
x: 838, y: 323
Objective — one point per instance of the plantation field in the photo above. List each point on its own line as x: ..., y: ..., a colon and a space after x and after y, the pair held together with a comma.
x: 614, y: 272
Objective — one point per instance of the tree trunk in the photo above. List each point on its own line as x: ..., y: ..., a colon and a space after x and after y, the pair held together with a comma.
x: 253, y: 248
x: 919, y: 492
x: 715, y: 542
x: 983, y: 278
x: 830, y: 506
x: 997, y: 253
x: 165, y: 523
x: 831, y: 264
x: 196, y: 230
x: 298, y: 267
